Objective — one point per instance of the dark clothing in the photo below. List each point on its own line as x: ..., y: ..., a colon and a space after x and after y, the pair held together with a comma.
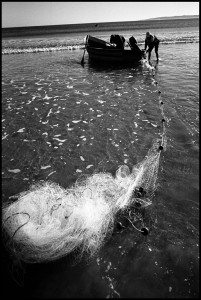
x: 119, y: 40
x: 132, y: 41
x: 133, y: 45
x: 152, y: 42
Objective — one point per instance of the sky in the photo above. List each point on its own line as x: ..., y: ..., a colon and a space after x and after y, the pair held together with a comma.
x: 20, y: 14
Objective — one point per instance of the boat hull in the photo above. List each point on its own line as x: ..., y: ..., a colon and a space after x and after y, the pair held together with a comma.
x: 112, y: 55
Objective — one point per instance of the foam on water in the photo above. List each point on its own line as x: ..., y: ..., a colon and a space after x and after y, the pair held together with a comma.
x: 39, y: 45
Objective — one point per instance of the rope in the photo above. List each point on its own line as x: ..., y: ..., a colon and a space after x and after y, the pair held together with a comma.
x: 163, y: 120
x: 145, y: 230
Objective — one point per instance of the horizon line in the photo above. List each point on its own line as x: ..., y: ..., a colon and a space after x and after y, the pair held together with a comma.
x: 157, y: 18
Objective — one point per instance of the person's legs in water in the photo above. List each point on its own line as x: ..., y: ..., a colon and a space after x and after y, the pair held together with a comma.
x: 156, y: 50
x: 149, y: 51
x: 149, y: 55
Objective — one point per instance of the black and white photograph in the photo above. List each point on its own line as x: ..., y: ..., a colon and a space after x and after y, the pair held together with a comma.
x: 100, y: 150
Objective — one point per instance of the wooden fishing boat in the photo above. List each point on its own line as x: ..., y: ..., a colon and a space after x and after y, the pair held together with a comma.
x: 102, y: 51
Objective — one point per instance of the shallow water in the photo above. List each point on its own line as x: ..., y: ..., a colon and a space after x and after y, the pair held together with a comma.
x: 61, y: 120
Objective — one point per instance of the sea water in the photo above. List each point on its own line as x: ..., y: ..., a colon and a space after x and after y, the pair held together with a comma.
x: 61, y: 120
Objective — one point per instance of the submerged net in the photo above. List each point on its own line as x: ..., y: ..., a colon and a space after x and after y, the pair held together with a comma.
x: 48, y: 222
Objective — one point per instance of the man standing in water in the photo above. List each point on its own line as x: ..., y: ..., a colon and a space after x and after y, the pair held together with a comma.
x: 151, y: 41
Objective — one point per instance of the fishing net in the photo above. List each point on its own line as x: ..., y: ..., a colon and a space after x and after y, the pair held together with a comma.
x: 48, y: 222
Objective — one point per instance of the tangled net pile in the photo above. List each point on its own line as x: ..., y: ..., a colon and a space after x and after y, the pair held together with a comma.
x: 48, y: 222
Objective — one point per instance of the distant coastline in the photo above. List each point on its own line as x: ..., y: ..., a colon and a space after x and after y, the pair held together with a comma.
x: 168, y: 22
x: 175, y: 18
